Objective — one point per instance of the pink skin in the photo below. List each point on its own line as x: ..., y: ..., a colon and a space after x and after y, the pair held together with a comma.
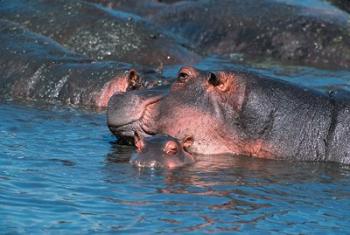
x: 200, y: 105
x: 118, y: 84
x: 215, y: 136
x: 238, y: 113
x: 161, y: 151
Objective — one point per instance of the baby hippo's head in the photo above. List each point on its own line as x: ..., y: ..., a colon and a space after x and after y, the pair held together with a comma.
x: 161, y: 151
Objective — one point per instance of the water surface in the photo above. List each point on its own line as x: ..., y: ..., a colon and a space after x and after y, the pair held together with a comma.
x: 62, y: 173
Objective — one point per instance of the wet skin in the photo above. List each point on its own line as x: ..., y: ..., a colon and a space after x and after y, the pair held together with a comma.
x: 238, y: 113
x: 139, y: 7
x: 161, y: 151
x: 344, y: 5
x: 262, y: 31
x: 36, y: 68
x: 98, y: 32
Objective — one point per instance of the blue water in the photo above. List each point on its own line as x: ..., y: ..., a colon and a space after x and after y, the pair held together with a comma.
x: 61, y: 172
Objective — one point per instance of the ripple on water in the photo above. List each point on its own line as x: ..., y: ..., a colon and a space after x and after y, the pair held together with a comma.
x: 61, y: 172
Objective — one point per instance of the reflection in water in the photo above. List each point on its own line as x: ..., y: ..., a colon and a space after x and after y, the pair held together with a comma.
x: 231, y: 193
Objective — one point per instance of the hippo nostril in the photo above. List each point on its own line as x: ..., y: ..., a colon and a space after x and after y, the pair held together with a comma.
x: 213, y: 79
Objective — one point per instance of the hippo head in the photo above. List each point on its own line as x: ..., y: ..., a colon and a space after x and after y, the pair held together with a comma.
x: 161, y: 151
x: 203, y: 105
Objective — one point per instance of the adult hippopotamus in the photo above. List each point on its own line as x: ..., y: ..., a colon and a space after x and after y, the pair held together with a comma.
x: 239, y: 113
x: 161, y: 151
x: 34, y: 67
x: 97, y: 32
x: 262, y: 31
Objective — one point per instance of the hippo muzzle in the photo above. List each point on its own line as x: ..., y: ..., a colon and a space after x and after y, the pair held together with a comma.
x: 161, y: 151
x: 131, y: 111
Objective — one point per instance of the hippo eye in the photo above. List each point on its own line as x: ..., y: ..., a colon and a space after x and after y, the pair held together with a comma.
x: 182, y: 77
x: 213, y: 79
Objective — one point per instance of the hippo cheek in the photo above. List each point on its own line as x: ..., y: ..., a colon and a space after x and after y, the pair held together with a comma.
x: 208, y: 132
x: 207, y: 121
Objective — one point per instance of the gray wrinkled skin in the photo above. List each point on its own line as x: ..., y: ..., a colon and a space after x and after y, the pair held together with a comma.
x: 36, y: 68
x: 139, y: 7
x: 344, y: 5
x: 97, y: 32
x: 262, y: 31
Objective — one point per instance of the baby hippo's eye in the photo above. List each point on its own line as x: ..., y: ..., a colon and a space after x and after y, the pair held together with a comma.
x: 213, y: 79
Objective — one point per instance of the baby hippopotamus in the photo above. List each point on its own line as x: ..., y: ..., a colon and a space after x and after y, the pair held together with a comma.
x: 161, y: 151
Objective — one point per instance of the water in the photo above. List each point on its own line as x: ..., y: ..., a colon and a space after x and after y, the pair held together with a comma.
x: 62, y: 173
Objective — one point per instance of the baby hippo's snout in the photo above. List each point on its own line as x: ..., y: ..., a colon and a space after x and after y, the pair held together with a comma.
x: 161, y: 151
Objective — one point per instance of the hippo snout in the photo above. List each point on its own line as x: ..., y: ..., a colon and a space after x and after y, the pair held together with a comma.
x: 126, y: 110
x: 161, y: 151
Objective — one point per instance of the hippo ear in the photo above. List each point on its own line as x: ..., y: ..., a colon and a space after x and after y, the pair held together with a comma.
x: 139, y: 142
x: 170, y: 147
x: 134, y: 80
x: 232, y: 85
x: 187, y: 142
x: 220, y: 81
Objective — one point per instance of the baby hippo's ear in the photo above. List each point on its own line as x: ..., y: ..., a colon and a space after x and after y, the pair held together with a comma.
x: 187, y: 142
x: 170, y: 147
x: 134, y: 80
x: 139, y: 142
